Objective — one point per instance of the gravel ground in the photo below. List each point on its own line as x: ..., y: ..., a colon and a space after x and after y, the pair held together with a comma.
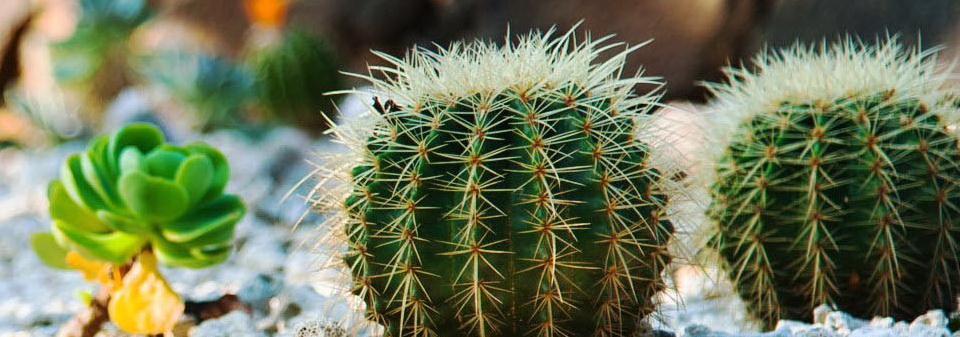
x: 274, y: 271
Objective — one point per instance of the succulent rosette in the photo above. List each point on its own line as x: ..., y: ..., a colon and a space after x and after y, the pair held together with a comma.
x: 131, y: 190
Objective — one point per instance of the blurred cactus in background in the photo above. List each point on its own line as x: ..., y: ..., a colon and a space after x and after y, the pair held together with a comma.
x: 837, y: 180
x: 500, y: 191
x: 131, y: 200
x: 211, y: 89
x: 94, y: 60
x: 292, y: 77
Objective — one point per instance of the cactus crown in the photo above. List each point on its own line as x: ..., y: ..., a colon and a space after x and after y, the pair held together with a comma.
x: 131, y: 190
x: 837, y: 182
x: 823, y: 72
x: 501, y: 192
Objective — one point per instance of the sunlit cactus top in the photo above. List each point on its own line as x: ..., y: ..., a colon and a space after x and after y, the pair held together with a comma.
x: 130, y: 190
x: 501, y: 191
x: 835, y: 178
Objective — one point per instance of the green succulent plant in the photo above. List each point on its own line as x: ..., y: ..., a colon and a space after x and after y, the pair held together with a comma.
x: 501, y: 192
x: 838, y: 182
x: 293, y: 76
x: 94, y: 58
x: 213, y: 89
x: 131, y: 190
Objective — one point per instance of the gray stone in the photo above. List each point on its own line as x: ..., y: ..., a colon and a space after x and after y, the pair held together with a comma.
x: 234, y: 324
x: 319, y: 328
x: 258, y: 290
x: 815, y: 331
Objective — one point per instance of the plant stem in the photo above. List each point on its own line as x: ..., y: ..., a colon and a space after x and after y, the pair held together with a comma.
x: 89, y: 321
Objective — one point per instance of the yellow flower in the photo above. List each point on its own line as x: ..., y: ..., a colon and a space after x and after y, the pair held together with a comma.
x: 145, y: 303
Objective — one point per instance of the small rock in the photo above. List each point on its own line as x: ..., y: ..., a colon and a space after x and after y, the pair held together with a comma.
x: 871, y: 331
x: 319, y: 328
x: 815, y: 331
x: 234, y: 324
x: 882, y: 322
x: 258, y: 290
x: 933, y: 318
x: 820, y: 313
x: 697, y: 330
x: 262, y: 254
x: 842, y: 322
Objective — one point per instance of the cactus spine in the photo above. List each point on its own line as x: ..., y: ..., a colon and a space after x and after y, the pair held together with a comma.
x: 501, y: 192
x: 838, y: 183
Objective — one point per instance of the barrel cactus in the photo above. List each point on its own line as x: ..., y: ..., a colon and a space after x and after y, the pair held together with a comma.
x: 837, y: 181
x: 292, y: 77
x: 130, y: 191
x: 501, y: 191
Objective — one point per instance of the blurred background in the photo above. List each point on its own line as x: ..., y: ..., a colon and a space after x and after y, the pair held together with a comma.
x: 224, y: 63
x: 249, y: 76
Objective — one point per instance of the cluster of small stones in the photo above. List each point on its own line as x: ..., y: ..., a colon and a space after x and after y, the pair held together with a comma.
x: 828, y: 322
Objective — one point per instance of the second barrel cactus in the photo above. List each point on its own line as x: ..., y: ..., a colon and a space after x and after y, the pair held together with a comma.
x: 292, y: 77
x: 838, y: 182
x: 500, y: 191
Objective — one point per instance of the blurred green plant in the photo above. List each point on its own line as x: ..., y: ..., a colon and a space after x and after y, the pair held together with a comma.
x: 46, y: 114
x: 213, y: 89
x: 292, y: 78
x: 94, y: 59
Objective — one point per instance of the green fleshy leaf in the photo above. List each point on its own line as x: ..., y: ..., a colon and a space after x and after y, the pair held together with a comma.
x: 221, y: 169
x: 71, y: 175
x: 152, y: 198
x: 163, y: 163
x: 48, y: 250
x: 212, y: 254
x: 173, y: 254
x: 195, y: 175
x: 124, y: 223
x: 131, y: 160
x: 115, y: 247
x: 99, y: 183
x: 64, y: 208
x: 145, y: 137
x: 211, y: 224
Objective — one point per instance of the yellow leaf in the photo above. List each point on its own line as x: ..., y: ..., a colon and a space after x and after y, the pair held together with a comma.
x: 145, y: 303
x: 93, y: 271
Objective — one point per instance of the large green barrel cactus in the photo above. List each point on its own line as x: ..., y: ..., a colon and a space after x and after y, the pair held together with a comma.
x: 838, y: 182
x: 500, y: 191
x: 131, y: 190
x: 292, y: 77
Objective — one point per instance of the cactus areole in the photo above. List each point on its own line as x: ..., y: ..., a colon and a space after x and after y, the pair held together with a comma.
x: 838, y: 183
x: 503, y: 191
